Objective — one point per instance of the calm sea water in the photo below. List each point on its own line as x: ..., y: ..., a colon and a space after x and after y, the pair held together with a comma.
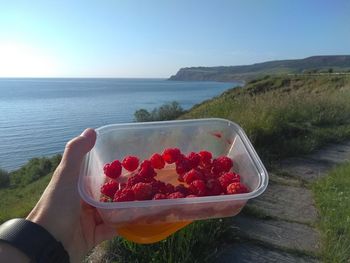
x: 38, y: 116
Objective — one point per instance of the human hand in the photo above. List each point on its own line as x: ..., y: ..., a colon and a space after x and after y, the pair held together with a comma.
x: 60, y: 209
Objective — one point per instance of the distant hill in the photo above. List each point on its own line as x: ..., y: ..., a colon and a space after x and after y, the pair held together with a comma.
x: 248, y: 72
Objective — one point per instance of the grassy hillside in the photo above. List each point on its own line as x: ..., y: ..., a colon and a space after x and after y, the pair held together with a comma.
x: 313, y: 64
x: 285, y: 115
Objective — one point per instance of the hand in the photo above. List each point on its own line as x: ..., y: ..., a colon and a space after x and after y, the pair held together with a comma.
x: 60, y: 209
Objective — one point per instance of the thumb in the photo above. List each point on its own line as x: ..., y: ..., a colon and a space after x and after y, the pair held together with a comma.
x: 76, y: 149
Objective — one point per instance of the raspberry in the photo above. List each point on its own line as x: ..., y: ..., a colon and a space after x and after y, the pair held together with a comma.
x: 180, y: 178
x: 214, y: 187
x: 143, y: 191
x: 228, y: 178
x: 194, y: 159
x: 183, y: 165
x: 157, y: 161
x: 205, y: 158
x: 146, y: 169
x: 206, y: 173
x: 113, y: 169
x: 124, y: 195
x: 182, y: 189
x: 222, y: 164
x: 109, y: 188
x: 236, y: 188
x: 192, y: 175
x: 170, y: 188
x: 134, y: 180
x: 159, y: 196
x: 175, y: 195
x: 130, y: 163
x: 171, y: 155
x: 159, y: 187
x: 198, y: 187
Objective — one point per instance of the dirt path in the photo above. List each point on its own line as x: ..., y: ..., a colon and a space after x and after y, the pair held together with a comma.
x: 279, y: 226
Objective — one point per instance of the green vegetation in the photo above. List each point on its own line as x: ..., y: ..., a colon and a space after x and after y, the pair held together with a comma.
x: 285, y: 115
x: 332, y: 194
x: 168, y: 111
x: 19, y: 201
x: 4, y: 178
x: 33, y: 170
x: 25, y: 186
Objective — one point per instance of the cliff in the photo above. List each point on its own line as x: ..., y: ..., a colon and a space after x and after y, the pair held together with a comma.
x: 248, y: 72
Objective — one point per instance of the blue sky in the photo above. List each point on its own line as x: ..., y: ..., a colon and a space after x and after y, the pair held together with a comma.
x: 154, y: 38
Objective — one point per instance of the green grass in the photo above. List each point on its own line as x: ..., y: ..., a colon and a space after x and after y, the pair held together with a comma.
x: 198, y: 242
x: 332, y: 196
x: 19, y: 201
x: 286, y: 115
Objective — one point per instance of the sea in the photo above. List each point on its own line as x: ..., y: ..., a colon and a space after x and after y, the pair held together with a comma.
x: 38, y: 116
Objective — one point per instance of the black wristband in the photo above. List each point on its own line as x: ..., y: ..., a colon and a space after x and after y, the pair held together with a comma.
x: 33, y: 240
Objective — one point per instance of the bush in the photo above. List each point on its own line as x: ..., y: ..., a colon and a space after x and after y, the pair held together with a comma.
x: 4, y: 178
x: 168, y: 111
x: 34, y: 169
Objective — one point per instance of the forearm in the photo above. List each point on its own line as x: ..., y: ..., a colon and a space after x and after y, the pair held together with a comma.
x: 9, y: 253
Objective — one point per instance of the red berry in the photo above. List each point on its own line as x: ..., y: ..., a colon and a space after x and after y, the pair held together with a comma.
x: 170, y: 188
x: 157, y: 161
x: 228, y: 178
x: 171, y: 155
x: 159, y: 187
x: 206, y: 173
x: 182, y: 189
x: 222, y: 164
x: 183, y: 165
x: 198, y: 188
x: 214, y: 187
x: 205, y: 158
x: 176, y: 195
x: 191, y: 196
x: 134, y: 180
x: 113, y: 169
x: 146, y: 169
x: 124, y: 195
x: 143, y: 191
x: 194, y: 159
x: 180, y: 178
x: 236, y: 188
x: 109, y: 188
x: 130, y: 163
x: 192, y: 175
x: 159, y: 196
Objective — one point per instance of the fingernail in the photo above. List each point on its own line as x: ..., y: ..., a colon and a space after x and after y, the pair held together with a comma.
x: 87, y: 132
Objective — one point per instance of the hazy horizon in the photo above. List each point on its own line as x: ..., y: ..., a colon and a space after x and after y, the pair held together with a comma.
x: 154, y: 39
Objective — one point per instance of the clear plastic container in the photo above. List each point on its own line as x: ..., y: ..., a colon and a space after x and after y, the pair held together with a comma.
x: 154, y: 220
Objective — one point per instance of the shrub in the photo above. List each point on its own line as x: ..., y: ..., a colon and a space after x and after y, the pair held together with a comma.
x: 34, y: 169
x: 4, y: 178
x: 168, y: 111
